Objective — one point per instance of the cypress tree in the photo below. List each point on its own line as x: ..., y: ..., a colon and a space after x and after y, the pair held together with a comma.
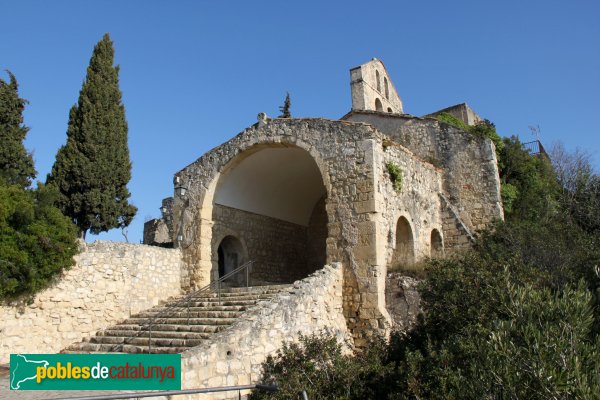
x: 16, y: 164
x: 92, y: 169
x: 285, y: 108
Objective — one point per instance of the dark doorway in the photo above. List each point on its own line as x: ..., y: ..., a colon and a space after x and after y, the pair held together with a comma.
x: 231, y: 255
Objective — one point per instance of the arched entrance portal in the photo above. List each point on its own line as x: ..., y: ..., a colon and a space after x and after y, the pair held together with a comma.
x: 231, y: 255
x: 273, y: 199
x: 404, y: 253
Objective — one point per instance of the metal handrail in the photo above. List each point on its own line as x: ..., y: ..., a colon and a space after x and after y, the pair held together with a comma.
x: 269, y: 388
x: 185, y: 302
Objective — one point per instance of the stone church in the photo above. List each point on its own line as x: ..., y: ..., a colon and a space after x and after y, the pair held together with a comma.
x: 377, y: 188
x: 309, y: 213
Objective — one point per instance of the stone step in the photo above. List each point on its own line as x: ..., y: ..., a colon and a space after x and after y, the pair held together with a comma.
x: 178, y: 324
x: 171, y: 328
x: 183, y: 313
x: 124, y: 348
x: 181, y: 321
x: 145, y: 341
x: 205, y: 308
x: 271, y: 288
x: 209, y: 303
x: 222, y: 302
x: 231, y: 299
x: 236, y: 294
x: 154, y: 333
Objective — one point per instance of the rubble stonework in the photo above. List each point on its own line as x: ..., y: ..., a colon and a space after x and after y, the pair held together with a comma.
x: 235, y: 356
x: 373, y: 190
x: 109, y: 282
x: 447, y: 190
x: 403, y: 300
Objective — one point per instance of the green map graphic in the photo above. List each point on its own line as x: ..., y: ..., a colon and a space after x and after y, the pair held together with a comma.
x: 24, y: 370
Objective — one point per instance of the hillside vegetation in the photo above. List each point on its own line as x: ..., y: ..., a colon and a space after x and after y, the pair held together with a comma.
x: 517, y: 317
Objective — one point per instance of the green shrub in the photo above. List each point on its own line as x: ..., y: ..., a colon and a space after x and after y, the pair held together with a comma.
x: 544, y: 348
x: 318, y: 366
x: 395, y: 175
x: 483, y: 128
x: 36, y: 240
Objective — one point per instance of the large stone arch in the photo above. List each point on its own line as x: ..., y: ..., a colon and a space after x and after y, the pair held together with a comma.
x: 270, y: 194
x: 343, y: 154
x: 200, y: 200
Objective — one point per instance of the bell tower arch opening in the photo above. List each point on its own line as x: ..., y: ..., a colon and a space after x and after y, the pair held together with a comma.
x: 273, y: 199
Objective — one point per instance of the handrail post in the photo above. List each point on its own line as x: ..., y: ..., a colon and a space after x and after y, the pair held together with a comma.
x: 149, y: 338
x: 188, y: 311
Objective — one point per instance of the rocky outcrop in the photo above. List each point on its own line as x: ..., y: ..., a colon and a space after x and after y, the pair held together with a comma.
x: 402, y: 300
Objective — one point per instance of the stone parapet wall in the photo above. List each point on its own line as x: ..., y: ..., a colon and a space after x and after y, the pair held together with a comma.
x: 109, y: 282
x: 234, y: 356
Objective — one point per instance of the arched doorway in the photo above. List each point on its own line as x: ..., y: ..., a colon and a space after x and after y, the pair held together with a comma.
x: 230, y: 255
x: 404, y: 253
x: 437, y: 245
x: 274, y: 198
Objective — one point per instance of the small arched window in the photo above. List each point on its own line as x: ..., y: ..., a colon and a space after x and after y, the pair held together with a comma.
x: 390, y: 110
x: 437, y: 246
x: 404, y: 253
x: 385, y: 86
x: 378, y: 105
x: 377, y: 79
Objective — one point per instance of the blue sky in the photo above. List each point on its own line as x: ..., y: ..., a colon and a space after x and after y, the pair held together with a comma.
x: 195, y: 73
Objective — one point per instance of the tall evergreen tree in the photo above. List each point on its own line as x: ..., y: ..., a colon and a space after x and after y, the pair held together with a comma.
x: 285, y: 108
x: 16, y: 164
x: 92, y: 169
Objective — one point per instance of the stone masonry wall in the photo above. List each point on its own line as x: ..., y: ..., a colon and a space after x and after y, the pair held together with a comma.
x: 235, y: 356
x: 277, y: 247
x: 317, y: 238
x: 109, y: 282
x: 470, y: 178
x: 417, y: 201
x: 343, y: 152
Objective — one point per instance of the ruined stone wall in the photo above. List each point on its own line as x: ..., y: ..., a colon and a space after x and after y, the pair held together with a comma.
x: 470, y: 171
x: 278, y: 248
x: 234, y: 356
x: 417, y: 200
x: 108, y: 283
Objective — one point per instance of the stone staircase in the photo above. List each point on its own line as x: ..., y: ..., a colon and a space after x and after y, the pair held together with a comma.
x: 171, y: 328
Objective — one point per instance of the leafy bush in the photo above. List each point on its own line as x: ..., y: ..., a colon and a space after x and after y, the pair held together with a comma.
x: 484, y: 128
x: 544, y: 348
x: 36, y: 240
x: 395, y: 175
x: 535, y: 190
x: 318, y: 365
